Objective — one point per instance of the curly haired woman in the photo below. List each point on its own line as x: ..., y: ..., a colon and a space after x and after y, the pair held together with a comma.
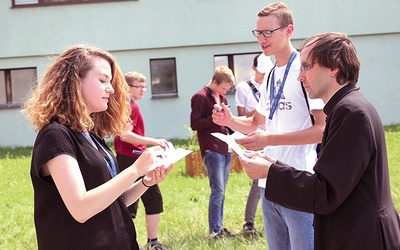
x: 81, y: 198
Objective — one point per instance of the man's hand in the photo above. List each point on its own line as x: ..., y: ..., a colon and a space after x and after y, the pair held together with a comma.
x: 256, y: 167
x: 221, y: 115
x: 160, y: 142
x: 254, y: 141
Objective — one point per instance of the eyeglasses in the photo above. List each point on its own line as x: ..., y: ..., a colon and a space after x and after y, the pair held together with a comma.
x: 305, y: 67
x: 265, y: 33
x: 141, y: 87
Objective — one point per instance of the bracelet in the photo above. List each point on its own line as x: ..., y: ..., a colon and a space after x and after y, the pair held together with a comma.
x: 144, y: 183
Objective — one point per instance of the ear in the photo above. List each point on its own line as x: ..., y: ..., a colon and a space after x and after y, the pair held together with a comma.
x: 290, y: 29
x: 334, y: 72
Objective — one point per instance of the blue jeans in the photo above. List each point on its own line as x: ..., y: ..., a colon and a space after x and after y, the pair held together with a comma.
x: 286, y: 228
x: 218, y: 168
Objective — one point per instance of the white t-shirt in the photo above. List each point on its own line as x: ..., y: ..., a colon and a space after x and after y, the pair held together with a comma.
x: 244, y: 96
x: 291, y: 114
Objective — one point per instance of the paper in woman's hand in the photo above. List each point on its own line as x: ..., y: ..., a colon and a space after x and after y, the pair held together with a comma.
x: 170, y: 156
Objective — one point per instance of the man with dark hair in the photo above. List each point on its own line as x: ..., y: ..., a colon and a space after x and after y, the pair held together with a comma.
x: 349, y: 193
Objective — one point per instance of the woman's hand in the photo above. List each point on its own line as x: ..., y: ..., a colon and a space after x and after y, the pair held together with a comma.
x: 151, y: 157
x: 157, y: 175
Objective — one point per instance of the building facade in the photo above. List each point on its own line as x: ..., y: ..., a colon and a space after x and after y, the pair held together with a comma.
x: 177, y: 44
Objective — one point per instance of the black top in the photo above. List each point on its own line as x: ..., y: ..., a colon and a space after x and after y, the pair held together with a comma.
x: 112, y: 228
x: 349, y: 193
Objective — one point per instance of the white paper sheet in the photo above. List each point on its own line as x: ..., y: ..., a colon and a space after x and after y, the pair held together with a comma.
x: 230, y: 140
x: 171, y: 156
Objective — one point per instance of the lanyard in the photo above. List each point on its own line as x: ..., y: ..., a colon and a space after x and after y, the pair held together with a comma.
x: 274, y: 100
x: 111, y: 166
x: 256, y: 94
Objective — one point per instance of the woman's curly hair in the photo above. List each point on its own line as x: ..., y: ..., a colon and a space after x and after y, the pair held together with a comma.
x: 58, y: 95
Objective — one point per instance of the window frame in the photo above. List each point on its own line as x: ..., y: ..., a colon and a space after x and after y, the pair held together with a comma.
x: 9, y: 104
x: 153, y: 74
x: 42, y: 3
x: 231, y: 65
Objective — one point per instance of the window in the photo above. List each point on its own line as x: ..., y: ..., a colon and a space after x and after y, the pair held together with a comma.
x: 240, y: 64
x: 14, y: 85
x: 163, y: 78
x: 18, y: 3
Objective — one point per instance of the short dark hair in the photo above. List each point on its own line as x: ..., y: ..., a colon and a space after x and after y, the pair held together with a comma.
x: 335, y: 50
x: 255, y: 61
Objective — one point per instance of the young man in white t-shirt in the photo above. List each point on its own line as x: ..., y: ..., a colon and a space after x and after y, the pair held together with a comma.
x: 247, y: 96
x: 290, y: 134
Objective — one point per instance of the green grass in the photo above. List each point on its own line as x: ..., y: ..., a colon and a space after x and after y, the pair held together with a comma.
x: 393, y: 148
x: 183, y: 224
x: 16, y: 200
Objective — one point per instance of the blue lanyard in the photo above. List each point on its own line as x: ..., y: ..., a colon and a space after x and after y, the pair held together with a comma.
x: 111, y: 166
x: 274, y: 100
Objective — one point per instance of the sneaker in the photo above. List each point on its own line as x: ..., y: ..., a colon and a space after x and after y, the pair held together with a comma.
x: 227, y: 233
x: 249, y: 230
x: 223, y: 233
x: 155, y: 245
x: 214, y: 235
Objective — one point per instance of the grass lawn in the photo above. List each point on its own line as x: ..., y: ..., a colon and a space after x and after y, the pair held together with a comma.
x: 183, y: 224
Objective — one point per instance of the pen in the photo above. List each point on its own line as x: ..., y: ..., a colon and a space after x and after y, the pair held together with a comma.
x: 138, y: 152
x: 228, y: 106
